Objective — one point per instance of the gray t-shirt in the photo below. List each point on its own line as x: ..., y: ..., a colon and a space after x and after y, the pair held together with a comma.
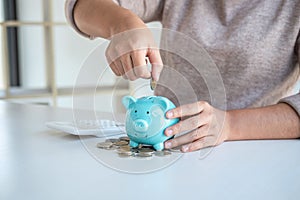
x: 255, y: 46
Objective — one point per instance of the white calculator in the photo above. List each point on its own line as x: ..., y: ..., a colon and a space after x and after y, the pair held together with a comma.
x: 98, y: 128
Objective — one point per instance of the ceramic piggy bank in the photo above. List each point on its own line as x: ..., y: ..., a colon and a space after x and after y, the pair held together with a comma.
x: 146, y: 121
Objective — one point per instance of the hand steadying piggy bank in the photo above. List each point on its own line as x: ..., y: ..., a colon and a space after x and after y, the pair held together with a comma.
x: 146, y: 121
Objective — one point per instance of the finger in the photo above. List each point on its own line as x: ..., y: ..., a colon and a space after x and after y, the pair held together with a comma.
x: 113, y: 65
x: 186, y: 125
x: 156, y: 62
x: 125, y: 77
x: 128, y: 67
x: 187, y: 110
x: 140, y: 65
x: 119, y: 65
x: 207, y: 141
x: 115, y: 69
x: 188, y: 137
x: 120, y: 69
x: 142, y: 72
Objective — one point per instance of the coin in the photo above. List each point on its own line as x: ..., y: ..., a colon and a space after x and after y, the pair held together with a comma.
x: 123, y: 149
x: 125, y: 154
x: 167, y: 153
x: 146, y: 150
x: 112, y: 140
x: 135, y: 150
x: 113, y: 147
x: 162, y: 153
x: 104, y: 145
x: 153, y: 84
x: 121, y: 143
x: 176, y: 149
x: 144, y: 154
x: 124, y: 138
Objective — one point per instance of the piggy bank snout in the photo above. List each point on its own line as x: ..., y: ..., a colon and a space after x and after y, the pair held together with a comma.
x: 141, y: 125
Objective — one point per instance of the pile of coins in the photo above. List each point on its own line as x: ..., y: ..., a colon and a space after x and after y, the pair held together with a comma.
x: 121, y: 146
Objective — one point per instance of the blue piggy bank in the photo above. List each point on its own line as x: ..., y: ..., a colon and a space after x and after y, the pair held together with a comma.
x: 146, y: 121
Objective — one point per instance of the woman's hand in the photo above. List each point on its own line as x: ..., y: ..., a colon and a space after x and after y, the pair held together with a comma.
x: 127, y: 53
x: 207, y: 127
x: 131, y: 40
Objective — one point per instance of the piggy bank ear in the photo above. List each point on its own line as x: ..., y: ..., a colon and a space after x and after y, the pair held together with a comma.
x: 127, y: 100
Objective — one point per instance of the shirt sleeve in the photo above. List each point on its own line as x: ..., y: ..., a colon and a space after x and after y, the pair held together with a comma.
x: 69, y: 13
x: 147, y: 10
x: 294, y: 100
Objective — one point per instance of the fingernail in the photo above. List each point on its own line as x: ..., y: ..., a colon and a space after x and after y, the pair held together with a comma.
x: 185, y: 148
x: 169, y: 132
x: 169, y: 114
x: 167, y: 145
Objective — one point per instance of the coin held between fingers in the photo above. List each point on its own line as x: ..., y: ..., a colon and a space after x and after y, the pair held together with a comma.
x: 153, y: 84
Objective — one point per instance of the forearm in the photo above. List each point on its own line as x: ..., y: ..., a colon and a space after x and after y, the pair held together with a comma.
x: 104, y: 18
x: 278, y: 121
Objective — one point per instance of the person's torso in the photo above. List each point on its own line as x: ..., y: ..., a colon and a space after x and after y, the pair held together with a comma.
x: 251, y: 42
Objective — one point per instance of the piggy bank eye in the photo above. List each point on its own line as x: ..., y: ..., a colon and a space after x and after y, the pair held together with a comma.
x: 147, y: 112
x: 135, y: 111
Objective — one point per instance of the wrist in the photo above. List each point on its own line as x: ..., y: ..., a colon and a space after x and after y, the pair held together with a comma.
x: 125, y: 21
x: 104, y: 19
x: 228, y: 126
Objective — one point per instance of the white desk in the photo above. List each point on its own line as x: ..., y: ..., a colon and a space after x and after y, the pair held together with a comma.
x: 38, y: 163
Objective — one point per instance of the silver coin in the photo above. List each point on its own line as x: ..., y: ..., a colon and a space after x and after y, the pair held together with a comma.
x: 125, y: 148
x: 112, y: 140
x: 176, y: 149
x: 125, y: 154
x: 159, y: 153
x: 124, y: 138
x: 153, y: 84
x: 113, y: 147
x: 167, y: 153
x: 104, y: 145
x: 121, y: 143
x: 146, y: 150
x: 135, y: 150
x: 144, y: 154
x: 162, y: 153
